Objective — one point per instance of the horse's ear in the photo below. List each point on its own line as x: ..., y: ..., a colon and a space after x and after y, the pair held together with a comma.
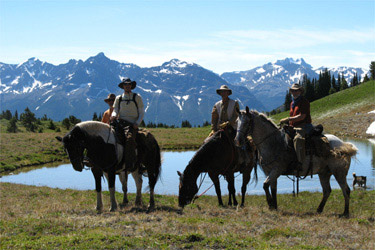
x: 247, y: 110
x: 179, y: 173
x: 58, y: 138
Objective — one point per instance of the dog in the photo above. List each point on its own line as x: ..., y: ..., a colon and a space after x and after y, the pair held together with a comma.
x: 360, y: 180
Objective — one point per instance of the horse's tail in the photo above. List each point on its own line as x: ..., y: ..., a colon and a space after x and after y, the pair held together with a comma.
x: 157, y: 161
x: 255, y: 166
x: 346, y: 149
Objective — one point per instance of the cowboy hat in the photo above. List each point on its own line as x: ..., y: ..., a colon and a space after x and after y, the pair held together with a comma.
x: 223, y: 88
x: 296, y: 86
x: 127, y: 80
x: 111, y: 97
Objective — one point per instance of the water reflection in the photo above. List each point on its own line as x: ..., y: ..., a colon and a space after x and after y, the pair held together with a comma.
x: 65, y: 177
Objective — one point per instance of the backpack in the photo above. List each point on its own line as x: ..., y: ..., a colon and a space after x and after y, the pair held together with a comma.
x: 131, y: 100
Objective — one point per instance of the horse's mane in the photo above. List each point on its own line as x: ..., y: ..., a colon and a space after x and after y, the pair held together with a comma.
x: 264, y: 118
x: 95, y: 128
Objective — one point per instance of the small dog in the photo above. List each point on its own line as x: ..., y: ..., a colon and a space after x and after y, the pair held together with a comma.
x: 360, y: 180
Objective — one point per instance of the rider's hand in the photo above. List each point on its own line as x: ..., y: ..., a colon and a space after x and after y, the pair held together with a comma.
x: 284, y: 120
x: 112, y: 118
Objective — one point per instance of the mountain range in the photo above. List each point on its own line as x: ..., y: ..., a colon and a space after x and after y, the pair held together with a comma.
x: 172, y: 92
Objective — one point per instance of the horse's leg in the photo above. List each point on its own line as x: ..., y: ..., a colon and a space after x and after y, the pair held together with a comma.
x: 216, y: 181
x: 232, y: 190
x: 245, y: 180
x: 112, y: 191
x: 138, y: 183
x: 341, y: 179
x: 324, y: 181
x: 124, y: 181
x: 98, y: 187
x: 274, y: 194
x: 271, y: 180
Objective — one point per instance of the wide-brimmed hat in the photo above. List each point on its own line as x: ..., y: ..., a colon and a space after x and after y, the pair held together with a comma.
x: 111, y: 97
x: 127, y: 80
x: 223, y: 88
x: 296, y: 86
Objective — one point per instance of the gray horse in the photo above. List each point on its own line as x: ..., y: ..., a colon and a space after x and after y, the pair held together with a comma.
x: 276, y: 159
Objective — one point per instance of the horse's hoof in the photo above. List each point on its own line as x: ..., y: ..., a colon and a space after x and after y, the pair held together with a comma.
x: 123, y: 205
x: 150, y: 209
x: 344, y: 215
x: 113, y: 209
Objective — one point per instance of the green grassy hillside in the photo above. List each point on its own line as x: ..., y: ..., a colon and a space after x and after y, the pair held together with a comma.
x: 344, y: 113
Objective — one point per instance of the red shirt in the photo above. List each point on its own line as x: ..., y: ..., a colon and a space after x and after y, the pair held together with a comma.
x: 303, y: 107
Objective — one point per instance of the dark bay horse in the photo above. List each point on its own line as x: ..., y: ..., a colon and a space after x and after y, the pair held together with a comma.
x: 97, y: 141
x: 276, y: 158
x: 217, y: 156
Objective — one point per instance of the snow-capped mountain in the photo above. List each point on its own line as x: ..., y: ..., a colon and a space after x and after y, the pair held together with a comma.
x: 172, y: 92
x: 270, y: 82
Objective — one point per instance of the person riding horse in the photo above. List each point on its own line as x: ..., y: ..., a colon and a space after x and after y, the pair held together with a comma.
x: 107, y: 114
x: 224, y: 110
x: 300, y: 120
x: 128, y: 112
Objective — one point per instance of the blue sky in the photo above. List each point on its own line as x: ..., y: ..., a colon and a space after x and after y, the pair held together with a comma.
x: 221, y: 35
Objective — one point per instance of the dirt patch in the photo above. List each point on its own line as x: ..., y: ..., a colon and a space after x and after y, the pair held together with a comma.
x: 352, y: 124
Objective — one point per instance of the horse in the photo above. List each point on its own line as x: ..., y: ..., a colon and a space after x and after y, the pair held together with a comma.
x: 94, y: 143
x: 217, y: 156
x: 276, y: 159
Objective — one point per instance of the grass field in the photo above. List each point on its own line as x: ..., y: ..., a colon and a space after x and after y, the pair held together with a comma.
x: 45, y: 218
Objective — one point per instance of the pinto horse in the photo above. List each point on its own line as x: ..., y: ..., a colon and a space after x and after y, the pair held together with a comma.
x: 97, y: 140
x: 276, y: 158
x: 217, y: 156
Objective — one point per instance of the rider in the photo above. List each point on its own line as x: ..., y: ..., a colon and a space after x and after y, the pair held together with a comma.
x: 300, y: 119
x: 128, y: 110
x: 224, y: 110
x: 107, y: 114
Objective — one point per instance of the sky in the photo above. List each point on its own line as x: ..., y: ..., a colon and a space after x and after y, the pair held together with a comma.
x: 222, y: 36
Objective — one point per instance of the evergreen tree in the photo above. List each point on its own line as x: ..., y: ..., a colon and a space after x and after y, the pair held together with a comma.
x: 66, y: 123
x: 372, y: 70
x: 288, y: 100
x: 28, y: 120
x: 95, y: 117
x: 344, y: 83
x: 142, y: 124
x: 338, y: 82
x: 6, y: 115
x: 44, y: 118
x: 185, y: 124
x: 73, y: 120
x: 12, y: 125
x: 100, y: 117
x: 334, y: 84
x: 16, y: 115
x: 51, y: 125
x: 366, y: 79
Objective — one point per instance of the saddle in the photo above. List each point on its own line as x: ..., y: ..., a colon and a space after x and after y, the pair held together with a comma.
x: 315, y: 144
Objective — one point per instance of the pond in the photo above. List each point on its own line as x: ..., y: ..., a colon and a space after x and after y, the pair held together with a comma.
x: 64, y: 177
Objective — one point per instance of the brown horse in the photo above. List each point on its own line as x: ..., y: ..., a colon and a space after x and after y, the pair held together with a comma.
x: 217, y: 156
x: 105, y: 155
x: 276, y: 158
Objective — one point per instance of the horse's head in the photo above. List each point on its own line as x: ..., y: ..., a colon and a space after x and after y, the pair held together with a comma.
x: 244, y: 126
x: 74, y: 146
x: 187, y: 190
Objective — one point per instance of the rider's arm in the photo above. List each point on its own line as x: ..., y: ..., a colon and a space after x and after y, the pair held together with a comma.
x: 141, y: 110
x: 214, y: 118
x: 116, y: 107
